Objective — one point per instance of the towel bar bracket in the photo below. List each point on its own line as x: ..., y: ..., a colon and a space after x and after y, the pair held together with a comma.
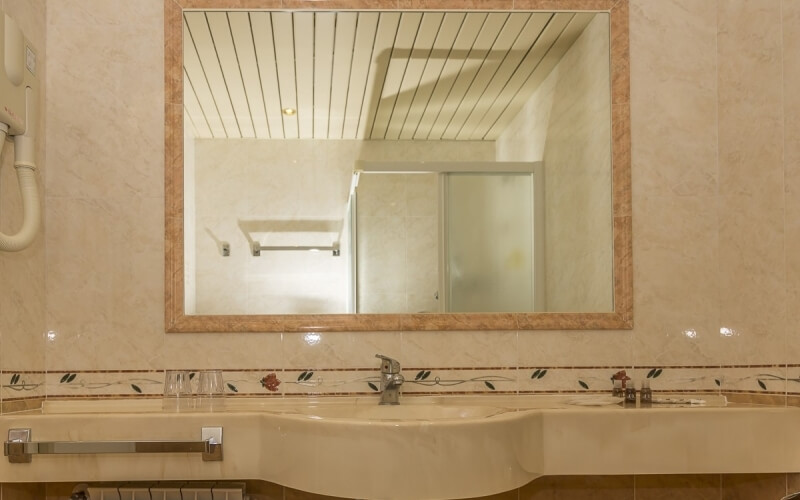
x: 20, y: 449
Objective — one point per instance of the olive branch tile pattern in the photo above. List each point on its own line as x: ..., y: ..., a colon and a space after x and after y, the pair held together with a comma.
x: 268, y: 382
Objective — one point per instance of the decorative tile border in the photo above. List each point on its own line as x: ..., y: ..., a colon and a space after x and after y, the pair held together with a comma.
x: 780, y: 380
x: 21, y: 385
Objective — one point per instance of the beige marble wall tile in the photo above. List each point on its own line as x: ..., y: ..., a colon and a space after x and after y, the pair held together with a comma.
x: 107, y: 152
x: 576, y: 348
x: 751, y: 234
x: 676, y: 290
x: 459, y: 349
x: 700, y: 487
x: 339, y: 349
x: 579, y: 488
x: 674, y: 97
x: 792, y: 483
x: 753, y: 486
x: 23, y: 491
x: 752, y: 281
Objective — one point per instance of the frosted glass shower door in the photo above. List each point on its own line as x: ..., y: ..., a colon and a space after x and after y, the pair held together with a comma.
x: 489, y: 240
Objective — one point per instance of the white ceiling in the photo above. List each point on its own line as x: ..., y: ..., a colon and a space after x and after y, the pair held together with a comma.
x: 375, y: 75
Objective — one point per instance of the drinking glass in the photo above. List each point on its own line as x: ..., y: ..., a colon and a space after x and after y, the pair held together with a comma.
x: 210, y: 390
x: 177, y: 391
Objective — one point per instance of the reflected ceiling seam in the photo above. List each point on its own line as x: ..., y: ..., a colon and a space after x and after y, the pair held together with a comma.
x: 349, y: 79
x: 239, y: 65
x: 371, y: 123
x: 494, y: 75
x: 444, y: 100
x: 400, y: 86
x: 258, y: 70
x: 477, y: 72
x: 208, y: 82
x: 371, y: 56
x: 438, y: 77
x: 277, y: 79
x: 519, y: 64
x: 222, y: 72
x: 191, y: 85
x: 555, y: 40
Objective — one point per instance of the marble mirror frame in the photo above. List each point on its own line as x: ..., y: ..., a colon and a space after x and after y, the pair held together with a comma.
x: 176, y: 319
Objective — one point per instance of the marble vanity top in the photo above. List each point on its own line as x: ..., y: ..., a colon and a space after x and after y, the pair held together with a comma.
x: 452, y: 446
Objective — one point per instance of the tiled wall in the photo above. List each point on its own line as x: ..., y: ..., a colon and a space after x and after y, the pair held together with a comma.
x: 22, y: 274
x: 716, y: 171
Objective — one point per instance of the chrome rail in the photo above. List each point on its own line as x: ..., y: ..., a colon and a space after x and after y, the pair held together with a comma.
x: 20, y: 449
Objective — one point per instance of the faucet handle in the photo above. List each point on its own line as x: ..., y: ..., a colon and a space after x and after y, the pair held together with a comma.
x: 388, y: 365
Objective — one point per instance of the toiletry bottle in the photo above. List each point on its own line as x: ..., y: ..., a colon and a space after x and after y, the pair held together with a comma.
x: 630, y: 394
x: 646, y: 394
x: 617, y: 391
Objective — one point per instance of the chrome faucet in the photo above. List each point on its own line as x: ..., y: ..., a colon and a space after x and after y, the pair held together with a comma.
x: 391, y: 380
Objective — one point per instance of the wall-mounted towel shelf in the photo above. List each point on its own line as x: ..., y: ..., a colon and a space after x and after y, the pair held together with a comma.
x: 292, y: 235
x: 20, y: 449
x: 256, y: 248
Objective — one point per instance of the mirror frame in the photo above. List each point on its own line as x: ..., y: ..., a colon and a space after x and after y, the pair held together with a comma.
x: 176, y: 319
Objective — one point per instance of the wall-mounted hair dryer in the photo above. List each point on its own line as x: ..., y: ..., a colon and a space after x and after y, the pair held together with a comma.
x: 18, y: 120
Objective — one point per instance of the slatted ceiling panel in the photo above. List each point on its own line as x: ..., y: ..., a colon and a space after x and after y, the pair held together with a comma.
x: 530, y: 32
x: 367, y: 75
x: 263, y: 41
x: 198, y: 27
x: 398, y: 63
x: 342, y: 62
x: 324, y: 29
x: 304, y: 68
x: 446, y: 36
x: 500, y: 50
x: 359, y: 70
x: 193, y: 110
x: 231, y: 75
x: 384, y: 39
x: 283, y: 35
x: 532, y: 59
x: 248, y: 66
x: 453, y: 65
x: 199, y: 84
x: 476, y: 59
x: 423, y: 44
x: 577, y: 24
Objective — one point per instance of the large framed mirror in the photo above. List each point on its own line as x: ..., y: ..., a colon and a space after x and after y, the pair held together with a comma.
x: 331, y: 168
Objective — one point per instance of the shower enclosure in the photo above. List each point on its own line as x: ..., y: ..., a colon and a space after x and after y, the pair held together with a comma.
x: 447, y: 237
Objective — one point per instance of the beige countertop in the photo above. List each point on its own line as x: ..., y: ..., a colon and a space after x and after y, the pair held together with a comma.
x: 428, y: 447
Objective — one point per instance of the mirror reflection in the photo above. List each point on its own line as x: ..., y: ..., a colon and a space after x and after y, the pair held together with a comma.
x: 396, y: 162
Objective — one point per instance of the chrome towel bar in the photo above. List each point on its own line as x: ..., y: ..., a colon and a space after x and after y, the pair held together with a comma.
x: 20, y: 449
